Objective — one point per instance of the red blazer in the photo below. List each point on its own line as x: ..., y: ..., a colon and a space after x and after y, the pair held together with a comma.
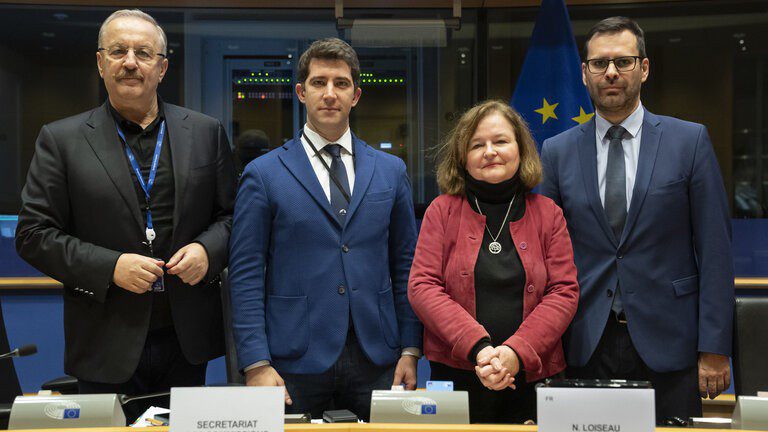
x: 442, y: 283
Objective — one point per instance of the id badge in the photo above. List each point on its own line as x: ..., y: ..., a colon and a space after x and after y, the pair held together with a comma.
x: 159, y: 284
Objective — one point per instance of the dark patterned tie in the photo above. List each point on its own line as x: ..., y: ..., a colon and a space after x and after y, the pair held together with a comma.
x: 616, y: 182
x: 616, y: 194
x: 338, y: 202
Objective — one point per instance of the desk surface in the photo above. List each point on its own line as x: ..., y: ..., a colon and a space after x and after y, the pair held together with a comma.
x: 383, y: 427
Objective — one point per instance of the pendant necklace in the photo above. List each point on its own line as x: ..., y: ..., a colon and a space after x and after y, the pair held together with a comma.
x: 494, y: 246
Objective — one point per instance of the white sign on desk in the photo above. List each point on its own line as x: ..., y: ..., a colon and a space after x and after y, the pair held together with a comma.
x: 227, y: 409
x: 595, y: 410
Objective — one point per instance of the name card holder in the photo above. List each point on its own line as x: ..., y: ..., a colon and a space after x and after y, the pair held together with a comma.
x: 595, y: 409
x: 227, y: 409
x: 751, y: 413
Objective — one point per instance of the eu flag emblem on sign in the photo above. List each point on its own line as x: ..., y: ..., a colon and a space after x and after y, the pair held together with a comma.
x: 550, y: 94
x: 72, y: 413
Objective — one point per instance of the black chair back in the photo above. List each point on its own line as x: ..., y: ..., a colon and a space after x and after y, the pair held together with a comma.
x: 230, y: 356
x: 750, y: 346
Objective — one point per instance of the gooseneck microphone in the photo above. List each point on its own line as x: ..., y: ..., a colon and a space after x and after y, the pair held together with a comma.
x: 20, y: 352
x: 124, y: 399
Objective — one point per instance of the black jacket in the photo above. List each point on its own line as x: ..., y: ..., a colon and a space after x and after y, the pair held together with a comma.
x: 80, y: 212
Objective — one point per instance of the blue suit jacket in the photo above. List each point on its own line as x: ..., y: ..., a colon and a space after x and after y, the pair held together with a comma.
x: 289, y: 258
x: 673, y: 259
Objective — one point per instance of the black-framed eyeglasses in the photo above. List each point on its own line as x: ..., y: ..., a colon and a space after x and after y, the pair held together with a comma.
x: 622, y: 64
x: 142, y: 54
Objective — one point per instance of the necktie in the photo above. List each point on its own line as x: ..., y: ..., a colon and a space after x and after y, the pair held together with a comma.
x: 616, y: 195
x: 338, y: 202
x: 616, y: 182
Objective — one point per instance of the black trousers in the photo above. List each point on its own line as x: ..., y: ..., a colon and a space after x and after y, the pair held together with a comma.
x: 162, y: 365
x: 490, y: 406
x: 348, y: 384
x: 677, y: 393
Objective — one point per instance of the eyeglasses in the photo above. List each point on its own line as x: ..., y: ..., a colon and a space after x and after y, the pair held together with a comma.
x: 623, y: 64
x: 144, y: 54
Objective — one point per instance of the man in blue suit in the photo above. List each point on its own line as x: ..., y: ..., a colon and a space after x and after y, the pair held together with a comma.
x: 322, y: 243
x: 648, y: 218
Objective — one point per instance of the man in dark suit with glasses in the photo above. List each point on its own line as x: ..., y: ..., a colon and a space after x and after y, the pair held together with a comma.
x: 129, y: 205
x: 648, y: 218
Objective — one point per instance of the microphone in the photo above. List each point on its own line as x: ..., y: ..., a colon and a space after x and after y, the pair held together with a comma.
x: 20, y: 352
x: 124, y: 399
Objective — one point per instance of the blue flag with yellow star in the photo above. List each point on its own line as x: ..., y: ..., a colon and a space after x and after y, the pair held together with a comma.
x: 550, y: 94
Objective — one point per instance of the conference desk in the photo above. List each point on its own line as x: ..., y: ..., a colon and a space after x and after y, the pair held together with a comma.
x: 382, y: 427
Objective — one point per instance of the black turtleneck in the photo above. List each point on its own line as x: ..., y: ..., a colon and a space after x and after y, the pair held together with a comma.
x: 499, y: 278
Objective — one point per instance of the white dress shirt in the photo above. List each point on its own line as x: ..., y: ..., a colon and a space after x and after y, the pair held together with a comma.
x: 345, y: 141
x: 631, y: 144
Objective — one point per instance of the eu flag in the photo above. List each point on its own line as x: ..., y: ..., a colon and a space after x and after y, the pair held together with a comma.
x: 550, y: 94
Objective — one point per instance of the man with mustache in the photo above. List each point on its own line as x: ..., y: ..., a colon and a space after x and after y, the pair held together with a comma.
x: 322, y: 243
x: 130, y: 205
x: 648, y: 218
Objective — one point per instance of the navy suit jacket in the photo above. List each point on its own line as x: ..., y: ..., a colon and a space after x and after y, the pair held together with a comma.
x: 297, y: 274
x: 673, y: 260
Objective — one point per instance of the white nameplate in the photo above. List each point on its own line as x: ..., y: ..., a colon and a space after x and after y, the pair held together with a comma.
x: 595, y: 410
x: 225, y: 409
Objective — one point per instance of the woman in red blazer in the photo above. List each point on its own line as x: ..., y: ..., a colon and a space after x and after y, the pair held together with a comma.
x: 493, y: 278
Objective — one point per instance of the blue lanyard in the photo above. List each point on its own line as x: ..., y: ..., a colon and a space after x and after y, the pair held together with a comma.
x: 145, y: 186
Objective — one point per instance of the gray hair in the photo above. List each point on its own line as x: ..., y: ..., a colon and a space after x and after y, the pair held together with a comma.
x: 134, y: 13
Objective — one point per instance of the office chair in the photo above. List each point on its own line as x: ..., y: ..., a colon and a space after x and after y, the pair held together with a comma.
x: 750, y: 350
x: 230, y: 350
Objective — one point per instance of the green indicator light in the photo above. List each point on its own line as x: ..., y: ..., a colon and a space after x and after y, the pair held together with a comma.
x: 251, y: 73
x: 266, y: 73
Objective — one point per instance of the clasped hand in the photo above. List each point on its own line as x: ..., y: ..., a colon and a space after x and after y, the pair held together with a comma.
x: 497, y: 366
x: 137, y: 273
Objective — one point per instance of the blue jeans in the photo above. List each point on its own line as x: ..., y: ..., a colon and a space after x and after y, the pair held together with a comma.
x: 346, y: 385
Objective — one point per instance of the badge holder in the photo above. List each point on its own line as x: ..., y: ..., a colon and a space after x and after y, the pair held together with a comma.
x: 159, y: 284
